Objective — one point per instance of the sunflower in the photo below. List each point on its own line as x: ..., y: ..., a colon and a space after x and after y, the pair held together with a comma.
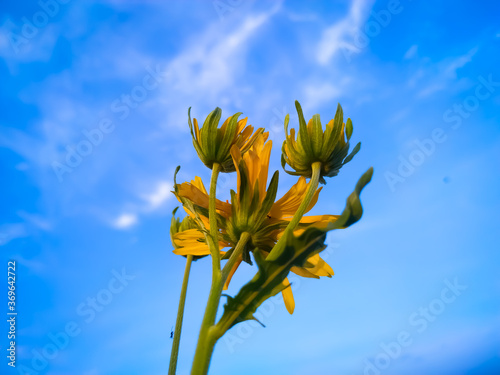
x: 253, y: 210
x: 188, y: 236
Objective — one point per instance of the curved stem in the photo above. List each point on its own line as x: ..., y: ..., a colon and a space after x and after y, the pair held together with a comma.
x: 178, y: 322
x: 206, y: 339
x: 311, y: 189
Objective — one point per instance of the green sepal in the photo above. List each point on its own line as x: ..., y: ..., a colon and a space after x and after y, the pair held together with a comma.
x: 209, y: 133
x: 317, y: 135
x: 228, y: 136
x: 196, y: 145
x: 303, y: 134
x: 268, y: 201
x: 348, y: 129
x: 353, y: 152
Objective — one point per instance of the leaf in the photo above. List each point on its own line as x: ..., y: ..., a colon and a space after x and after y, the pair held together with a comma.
x: 268, y: 281
x: 351, y: 155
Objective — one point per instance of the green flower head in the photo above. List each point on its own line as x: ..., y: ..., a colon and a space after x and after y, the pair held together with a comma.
x: 329, y: 147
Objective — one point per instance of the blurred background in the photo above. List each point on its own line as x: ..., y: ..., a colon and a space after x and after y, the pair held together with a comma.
x: 94, y: 98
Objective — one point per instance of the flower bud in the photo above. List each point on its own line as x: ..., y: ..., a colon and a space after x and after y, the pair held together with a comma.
x: 330, y: 147
x: 213, y: 144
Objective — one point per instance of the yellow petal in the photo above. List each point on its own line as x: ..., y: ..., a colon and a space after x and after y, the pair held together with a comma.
x: 241, y: 125
x: 286, y: 206
x: 319, y: 219
x: 320, y: 267
x: 198, y: 250
x: 196, y: 193
x: 303, y: 272
x: 264, y: 156
x: 233, y: 270
x: 196, y: 129
x: 288, y: 296
x: 236, y: 155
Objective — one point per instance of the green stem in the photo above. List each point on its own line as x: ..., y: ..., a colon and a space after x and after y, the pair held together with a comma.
x: 208, y: 335
x: 212, y: 217
x: 180, y: 314
x: 311, y: 189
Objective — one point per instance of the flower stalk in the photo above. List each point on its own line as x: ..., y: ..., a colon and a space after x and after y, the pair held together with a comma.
x: 208, y: 337
x: 214, y: 230
x: 311, y: 189
x: 178, y: 322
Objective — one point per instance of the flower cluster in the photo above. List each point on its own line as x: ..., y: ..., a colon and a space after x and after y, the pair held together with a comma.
x: 254, y: 221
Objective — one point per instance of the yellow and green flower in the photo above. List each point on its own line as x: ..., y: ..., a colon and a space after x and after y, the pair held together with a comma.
x: 213, y: 144
x: 330, y: 147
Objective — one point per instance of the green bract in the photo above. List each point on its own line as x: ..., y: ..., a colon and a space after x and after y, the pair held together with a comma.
x: 329, y: 147
x: 213, y: 144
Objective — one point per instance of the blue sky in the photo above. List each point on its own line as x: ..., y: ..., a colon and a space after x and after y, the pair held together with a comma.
x: 416, y: 287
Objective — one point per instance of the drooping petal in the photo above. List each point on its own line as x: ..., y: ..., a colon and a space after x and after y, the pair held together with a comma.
x: 231, y: 273
x: 286, y: 206
x: 288, y: 296
x: 196, y: 193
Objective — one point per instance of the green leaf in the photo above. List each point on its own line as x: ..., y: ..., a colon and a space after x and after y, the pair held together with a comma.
x: 268, y: 280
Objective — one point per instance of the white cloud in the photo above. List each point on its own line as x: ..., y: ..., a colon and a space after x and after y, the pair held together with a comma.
x: 316, y: 95
x: 411, y: 53
x: 438, y: 77
x: 35, y: 220
x: 459, y: 62
x: 159, y: 196
x: 125, y: 221
x: 207, y: 71
x: 340, y: 35
x: 9, y: 232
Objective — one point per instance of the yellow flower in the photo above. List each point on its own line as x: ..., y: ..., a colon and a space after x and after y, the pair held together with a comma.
x: 187, y: 237
x: 330, y: 147
x: 213, y: 144
x: 253, y: 209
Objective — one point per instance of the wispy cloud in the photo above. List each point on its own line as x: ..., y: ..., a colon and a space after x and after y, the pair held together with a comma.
x: 159, y: 196
x: 438, y: 76
x: 340, y: 35
x: 125, y: 221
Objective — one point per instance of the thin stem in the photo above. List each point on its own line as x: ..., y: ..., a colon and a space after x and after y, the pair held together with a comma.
x: 311, y: 189
x: 178, y: 322
x: 208, y: 337
x: 212, y: 217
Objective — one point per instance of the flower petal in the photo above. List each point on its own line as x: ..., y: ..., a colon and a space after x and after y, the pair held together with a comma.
x: 288, y: 296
